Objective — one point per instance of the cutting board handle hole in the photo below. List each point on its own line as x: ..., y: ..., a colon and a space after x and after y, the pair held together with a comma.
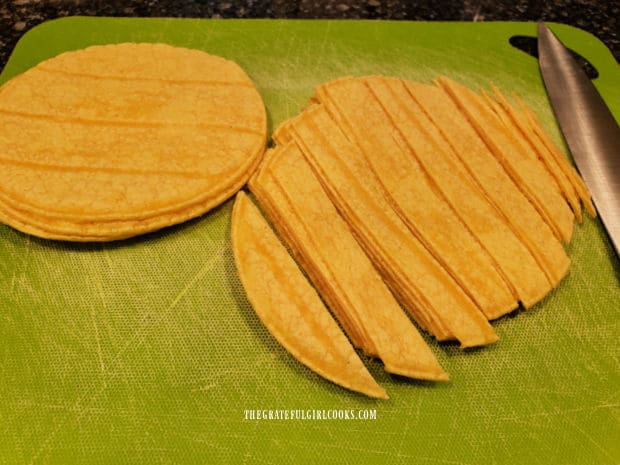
x: 529, y: 45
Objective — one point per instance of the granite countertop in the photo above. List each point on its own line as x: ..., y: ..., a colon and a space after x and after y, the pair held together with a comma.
x: 597, y: 17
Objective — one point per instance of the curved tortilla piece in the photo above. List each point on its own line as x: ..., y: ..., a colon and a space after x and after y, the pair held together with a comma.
x: 431, y: 294
x: 294, y: 199
x: 529, y: 174
x: 143, y: 134
x: 289, y: 307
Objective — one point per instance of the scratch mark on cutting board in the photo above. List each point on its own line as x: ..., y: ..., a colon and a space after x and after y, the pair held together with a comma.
x: 325, y: 40
x: 97, y: 336
x: 198, y: 438
x: 588, y: 436
x: 81, y: 405
x: 107, y: 257
x: 76, y: 410
x: 140, y: 334
x: 405, y: 431
x: 345, y: 447
x: 19, y: 272
x: 566, y: 415
x: 436, y: 460
x: 557, y: 412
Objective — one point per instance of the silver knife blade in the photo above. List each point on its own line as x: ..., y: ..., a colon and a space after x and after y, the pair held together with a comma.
x: 590, y: 130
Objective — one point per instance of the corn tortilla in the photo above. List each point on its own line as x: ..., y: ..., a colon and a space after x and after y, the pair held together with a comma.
x: 338, y: 266
x: 533, y: 124
x: 510, y: 256
x: 447, y: 309
x: 117, y: 140
x: 517, y: 122
x: 491, y: 178
x: 288, y: 305
x: 528, y: 174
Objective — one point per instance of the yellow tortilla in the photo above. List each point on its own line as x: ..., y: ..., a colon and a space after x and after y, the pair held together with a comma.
x: 372, y: 128
x: 510, y: 255
x: 392, y: 275
x: 491, y: 178
x: 116, y: 140
x: 528, y: 174
x: 283, y: 216
x: 274, y: 202
x: 288, y: 305
x: 438, y: 194
x: 427, y: 290
x: 54, y: 228
x: 517, y: 123
x: 292, y: 196
x: 578, y: 184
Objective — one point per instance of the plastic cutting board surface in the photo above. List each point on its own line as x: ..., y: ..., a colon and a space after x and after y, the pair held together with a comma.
x: 147, y: 351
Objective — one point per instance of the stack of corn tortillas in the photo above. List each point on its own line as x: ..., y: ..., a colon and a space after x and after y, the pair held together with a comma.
x: 117, y: 140
x: 399, y: 202
x: 451, y: 203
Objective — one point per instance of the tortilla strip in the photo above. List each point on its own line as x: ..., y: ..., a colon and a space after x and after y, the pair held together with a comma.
x: 500, y: 190
x: 281, y: 134
x: 274, y: 203
x: 510, y: 256
x: 417, y: 202
x: 516, y: 122
x: 429, y: 291
x: 528, y: 174
x: 336, y: 264
x: 289, y: 307
x: 569, y: 170
x: 524, y: 146
x: 392, y: 275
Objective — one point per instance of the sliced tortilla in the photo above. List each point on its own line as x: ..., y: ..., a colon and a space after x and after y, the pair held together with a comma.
x: 517, y: 123
x: 489, y: 175
x: 274, y: 201
x: 275, y: 204
x: 300, y: 209
x: 281, y: 134
x: 427, y: 288
x: 288, y: 305
x: 397, y: 282
x: 529, y: 175
x: 413, y: 194
x: 569, y: 170
x: 511, y: 258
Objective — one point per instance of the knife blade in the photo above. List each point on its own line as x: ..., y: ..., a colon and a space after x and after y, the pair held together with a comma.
x: 590, y: 130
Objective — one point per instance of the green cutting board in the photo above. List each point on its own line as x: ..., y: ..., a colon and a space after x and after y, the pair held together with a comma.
x: 147, y: 351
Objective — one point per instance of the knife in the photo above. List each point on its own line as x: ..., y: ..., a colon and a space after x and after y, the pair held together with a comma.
x: 590, y: 130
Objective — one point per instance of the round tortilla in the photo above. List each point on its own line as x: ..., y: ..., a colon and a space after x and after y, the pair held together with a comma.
x: 117, y: 140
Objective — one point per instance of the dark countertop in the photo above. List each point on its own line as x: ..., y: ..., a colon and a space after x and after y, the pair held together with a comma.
x: 597, y: 17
